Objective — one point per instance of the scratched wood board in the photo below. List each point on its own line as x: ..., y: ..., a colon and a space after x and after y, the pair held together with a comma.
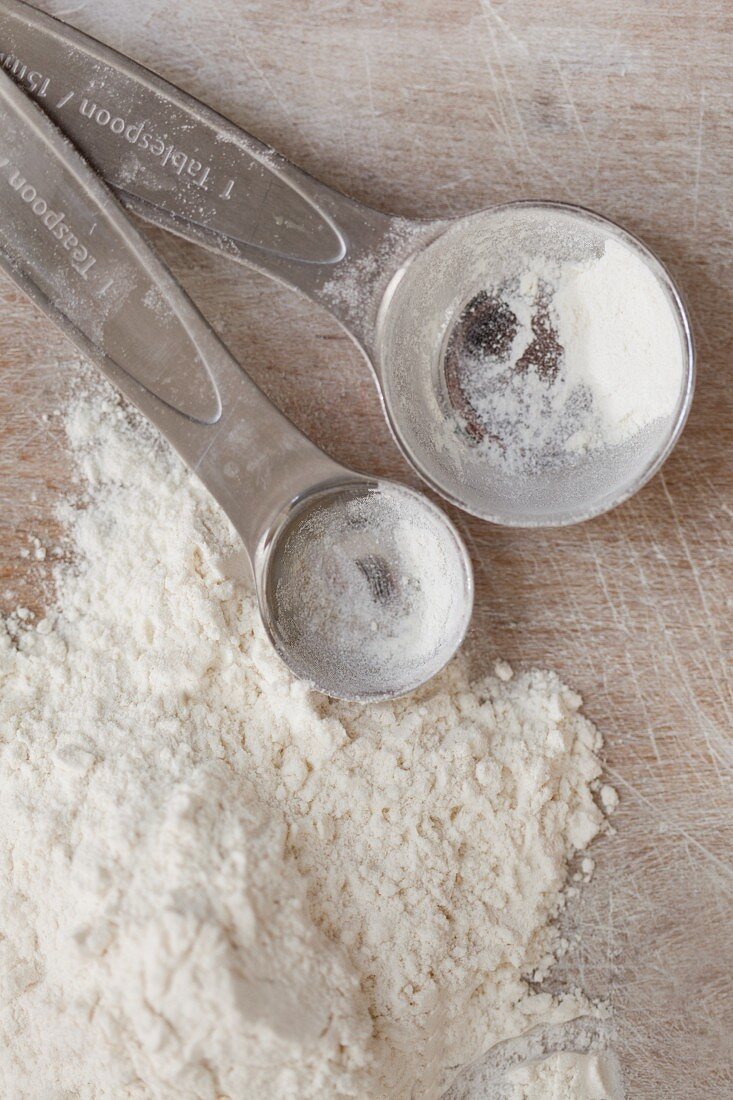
x: 437, y: 107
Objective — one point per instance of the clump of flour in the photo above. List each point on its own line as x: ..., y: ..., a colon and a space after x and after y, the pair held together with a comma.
x: 567, y: 357
x: 594, y: 1076
x: 215, y: 882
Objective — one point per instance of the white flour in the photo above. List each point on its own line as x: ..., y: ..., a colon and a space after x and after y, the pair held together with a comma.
x: 566, y: 358
x: 215, y: 883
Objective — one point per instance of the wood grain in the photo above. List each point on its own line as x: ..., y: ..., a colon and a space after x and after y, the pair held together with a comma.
x: 433, y: 108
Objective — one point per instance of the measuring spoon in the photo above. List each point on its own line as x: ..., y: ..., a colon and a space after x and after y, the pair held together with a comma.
x: 364, y: 586
x: 400, y: 288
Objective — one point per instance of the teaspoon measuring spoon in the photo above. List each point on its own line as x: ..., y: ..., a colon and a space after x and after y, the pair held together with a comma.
x: 364, y: 586
x: 400, y: 288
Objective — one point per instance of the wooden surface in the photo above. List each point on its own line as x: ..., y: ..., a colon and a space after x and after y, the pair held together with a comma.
x: 436, y: 107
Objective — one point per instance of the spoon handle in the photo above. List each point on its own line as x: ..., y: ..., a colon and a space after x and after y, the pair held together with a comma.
x: 68, y: 244
x: 182, y: 166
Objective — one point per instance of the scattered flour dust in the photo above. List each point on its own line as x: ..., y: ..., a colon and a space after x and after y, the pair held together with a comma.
x: 216, y: 883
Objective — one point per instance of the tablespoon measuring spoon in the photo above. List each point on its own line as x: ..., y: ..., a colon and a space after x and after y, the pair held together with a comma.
x: 400, y: 288
x: 364, y: 586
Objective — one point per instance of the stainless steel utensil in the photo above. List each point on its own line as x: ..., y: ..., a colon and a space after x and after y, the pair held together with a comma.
x: 68, y: 244
x: 396, y: 286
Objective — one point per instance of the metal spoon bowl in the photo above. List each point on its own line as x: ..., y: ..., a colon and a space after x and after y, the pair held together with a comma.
x: 421, y: 311
x: 366, y: 589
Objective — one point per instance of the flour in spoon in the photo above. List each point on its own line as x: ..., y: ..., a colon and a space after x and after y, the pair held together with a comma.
x: 215, y: 882
x: 566, y: 358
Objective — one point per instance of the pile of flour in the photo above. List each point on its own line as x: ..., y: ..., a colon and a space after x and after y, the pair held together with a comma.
x: 568, y: 357
x: 215, y: 883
